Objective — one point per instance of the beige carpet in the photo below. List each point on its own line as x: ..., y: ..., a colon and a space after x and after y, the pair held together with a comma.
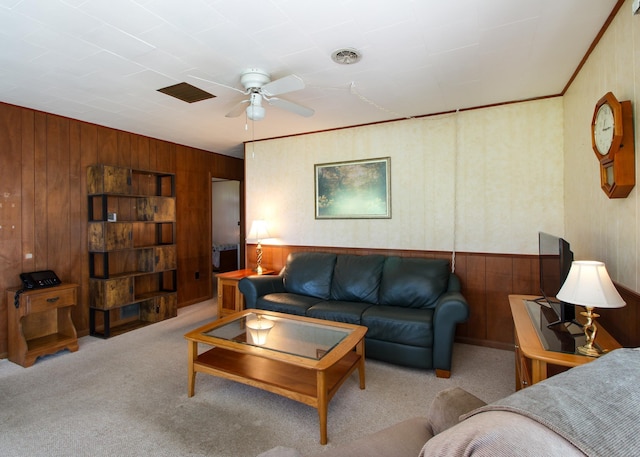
x: 127, y: 396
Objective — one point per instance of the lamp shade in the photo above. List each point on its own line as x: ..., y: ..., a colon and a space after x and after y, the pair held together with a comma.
x: 588, y: 284
x: 258, y: 230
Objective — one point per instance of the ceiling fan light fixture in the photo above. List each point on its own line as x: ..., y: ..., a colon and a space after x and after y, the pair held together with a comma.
x: 255, y: 112
x: 346, y: 56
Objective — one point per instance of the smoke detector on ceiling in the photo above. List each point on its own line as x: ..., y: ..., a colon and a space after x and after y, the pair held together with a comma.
x: 346, y: 56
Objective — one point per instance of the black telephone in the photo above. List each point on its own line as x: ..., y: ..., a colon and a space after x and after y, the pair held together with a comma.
x: 39, y: 279
x: 36, y: 280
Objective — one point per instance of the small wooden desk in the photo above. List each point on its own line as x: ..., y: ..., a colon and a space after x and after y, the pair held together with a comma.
x: 532, y: 359
x: 41, y: 324
x: 230, y: 299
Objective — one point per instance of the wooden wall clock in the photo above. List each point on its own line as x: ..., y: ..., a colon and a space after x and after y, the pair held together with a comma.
x: 613, y: 144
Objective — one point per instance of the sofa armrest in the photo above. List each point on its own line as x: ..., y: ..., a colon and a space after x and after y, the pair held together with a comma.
x: 254, y: 287
x: 500, y: 434
x: 447, y: 407
x: 403, y: 439
x: 450, y: 310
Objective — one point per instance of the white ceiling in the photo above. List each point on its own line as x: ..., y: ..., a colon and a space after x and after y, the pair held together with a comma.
x: 102, y: 61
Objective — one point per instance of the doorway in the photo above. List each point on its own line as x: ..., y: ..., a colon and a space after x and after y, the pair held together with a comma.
x: 225, y: 225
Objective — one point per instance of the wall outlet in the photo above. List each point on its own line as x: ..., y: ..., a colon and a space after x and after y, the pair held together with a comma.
x: 635, y: 7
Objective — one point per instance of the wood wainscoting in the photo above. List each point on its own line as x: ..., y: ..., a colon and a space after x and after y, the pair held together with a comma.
x: 487, y: 281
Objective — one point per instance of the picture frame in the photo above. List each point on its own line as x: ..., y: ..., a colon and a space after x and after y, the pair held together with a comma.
x: 357, y: 189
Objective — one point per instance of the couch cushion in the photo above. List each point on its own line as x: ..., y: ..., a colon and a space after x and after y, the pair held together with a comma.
x: 447, y: 407
x: 357, y: 278
x: 338, y: 311
x: 413, y: 282
x: 413, y: 327
x: 309, y: 273
x: 286, y: 303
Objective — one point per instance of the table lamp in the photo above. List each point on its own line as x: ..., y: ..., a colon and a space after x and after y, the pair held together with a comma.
x: 258, y: 232
x: 588, y: 284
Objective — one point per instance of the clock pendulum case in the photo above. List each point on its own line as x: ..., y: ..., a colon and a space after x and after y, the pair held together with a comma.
x: 613, y: 143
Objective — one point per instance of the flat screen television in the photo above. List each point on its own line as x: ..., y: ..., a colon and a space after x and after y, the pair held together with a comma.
x: 555, y: 262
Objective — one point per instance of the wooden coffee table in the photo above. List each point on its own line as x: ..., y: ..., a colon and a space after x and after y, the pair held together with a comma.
x: 304, y: 359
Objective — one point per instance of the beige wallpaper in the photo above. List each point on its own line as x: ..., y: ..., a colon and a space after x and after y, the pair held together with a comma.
x: 495, y: 174
x: 597, y: 227
x: 508, y: 172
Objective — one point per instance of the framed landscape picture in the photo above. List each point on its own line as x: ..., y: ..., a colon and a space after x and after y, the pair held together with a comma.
x: 359, y: 189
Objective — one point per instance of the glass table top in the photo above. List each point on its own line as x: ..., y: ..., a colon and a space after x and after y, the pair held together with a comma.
x: 305, y: 339
x: 557, y: 338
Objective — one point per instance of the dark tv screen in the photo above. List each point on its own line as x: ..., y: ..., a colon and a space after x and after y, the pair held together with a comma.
x: 555, y: 263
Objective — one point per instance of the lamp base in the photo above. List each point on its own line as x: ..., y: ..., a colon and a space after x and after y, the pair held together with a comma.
x: 590, y: 351
x: 590, y: 330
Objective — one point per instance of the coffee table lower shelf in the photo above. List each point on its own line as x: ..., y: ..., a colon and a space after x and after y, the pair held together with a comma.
x: 311, y: 387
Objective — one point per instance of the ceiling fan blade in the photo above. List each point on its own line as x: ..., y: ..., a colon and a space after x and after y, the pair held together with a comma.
x: 238, y: 109
x: 283, y: 85
x: 290, y: 106
x: 217, y: 84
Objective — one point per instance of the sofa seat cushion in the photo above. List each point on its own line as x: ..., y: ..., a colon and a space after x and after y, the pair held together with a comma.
x: 339, y: 311
x: 286, y: 303
x: 413, y: 327
x: 309, y: 273
x: 413, y: 282
x: 357, y: 278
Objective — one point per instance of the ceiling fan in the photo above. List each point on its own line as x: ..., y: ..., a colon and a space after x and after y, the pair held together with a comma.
x: 259, y: 86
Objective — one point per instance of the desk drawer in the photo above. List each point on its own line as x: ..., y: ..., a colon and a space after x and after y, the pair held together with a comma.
x: 45, y: 300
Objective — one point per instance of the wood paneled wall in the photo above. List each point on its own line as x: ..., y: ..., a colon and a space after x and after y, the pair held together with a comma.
x: 487, y: 281
x: 43, y: 201
x: 193, y: 187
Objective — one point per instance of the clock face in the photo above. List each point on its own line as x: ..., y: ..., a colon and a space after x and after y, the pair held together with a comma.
x: 604, y: 129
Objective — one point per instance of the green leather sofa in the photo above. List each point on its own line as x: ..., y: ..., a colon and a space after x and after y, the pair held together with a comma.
x: 411, y: 306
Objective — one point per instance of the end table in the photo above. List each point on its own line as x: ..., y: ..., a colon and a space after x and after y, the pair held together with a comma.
x: 41, y: 322
x: 534, y: 362
x: 230, y: 299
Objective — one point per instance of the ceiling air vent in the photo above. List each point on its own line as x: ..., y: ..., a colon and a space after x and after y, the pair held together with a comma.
x: 346, y: 56
x: 186, y: 92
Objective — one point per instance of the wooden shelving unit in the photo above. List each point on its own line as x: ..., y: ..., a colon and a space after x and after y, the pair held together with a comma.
x: 132, y: 251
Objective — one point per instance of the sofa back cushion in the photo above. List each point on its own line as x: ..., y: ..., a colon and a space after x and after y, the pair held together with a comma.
x: 413, y: 282
x: 309, y: 273
x: 357, y: 278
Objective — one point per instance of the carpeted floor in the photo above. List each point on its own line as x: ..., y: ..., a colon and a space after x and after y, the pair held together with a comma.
x: 127, y: 396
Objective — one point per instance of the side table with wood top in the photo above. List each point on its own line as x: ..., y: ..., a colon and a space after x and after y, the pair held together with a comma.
x: 534, y: 362
x: 39, y: 322
x: 230, y: 299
